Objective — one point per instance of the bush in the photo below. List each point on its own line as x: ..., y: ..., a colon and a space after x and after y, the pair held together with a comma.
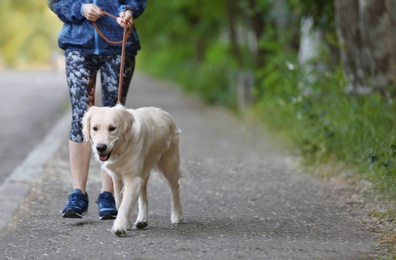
x: 323, y: 123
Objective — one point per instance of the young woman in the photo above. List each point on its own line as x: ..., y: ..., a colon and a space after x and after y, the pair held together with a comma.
x: 87, y: 54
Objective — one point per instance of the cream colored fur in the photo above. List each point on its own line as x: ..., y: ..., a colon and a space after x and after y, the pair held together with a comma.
x: 130, y: 144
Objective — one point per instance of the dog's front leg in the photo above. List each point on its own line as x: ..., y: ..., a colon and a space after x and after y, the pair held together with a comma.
x: 117, y: 191
x: 142, y: 218
x: 132, y: 189
x: 117, y: 184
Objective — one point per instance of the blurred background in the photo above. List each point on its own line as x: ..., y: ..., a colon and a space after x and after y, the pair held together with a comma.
x: 319, y: 74
x: 28, y: 35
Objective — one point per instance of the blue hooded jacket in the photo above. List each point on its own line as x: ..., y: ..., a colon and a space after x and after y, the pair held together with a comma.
x: 78, y: 34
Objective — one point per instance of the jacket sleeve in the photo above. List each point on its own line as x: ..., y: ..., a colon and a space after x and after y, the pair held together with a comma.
x: 138, y: 7
x: 68, y: 11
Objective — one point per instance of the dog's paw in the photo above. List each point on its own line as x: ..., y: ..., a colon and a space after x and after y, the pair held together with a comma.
x: 118, y: 232
x: 141, y: 225
x: 118, y: 229
x: 176, y: 218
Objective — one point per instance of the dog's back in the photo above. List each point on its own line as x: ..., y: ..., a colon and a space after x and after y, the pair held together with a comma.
x: 155, y: 122
x: 156, y: 137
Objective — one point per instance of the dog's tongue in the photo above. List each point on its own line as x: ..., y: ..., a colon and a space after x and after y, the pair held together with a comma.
x: 103, y: 157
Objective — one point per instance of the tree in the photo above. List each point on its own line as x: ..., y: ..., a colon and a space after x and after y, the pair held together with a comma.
x: 367, y: 43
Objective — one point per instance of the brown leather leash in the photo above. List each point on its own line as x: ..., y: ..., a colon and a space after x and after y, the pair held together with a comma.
x: 127, y: 33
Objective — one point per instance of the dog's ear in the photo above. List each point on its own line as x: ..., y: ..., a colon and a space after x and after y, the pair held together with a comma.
x: 86, y: 123
x: 128, y: 125
x: 126, y: 119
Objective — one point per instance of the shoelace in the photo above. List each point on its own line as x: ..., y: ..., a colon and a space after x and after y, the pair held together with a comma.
x: 76, y: 199
x: 107, y: 201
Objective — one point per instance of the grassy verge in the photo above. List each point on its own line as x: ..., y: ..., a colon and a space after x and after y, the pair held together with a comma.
x: 325, y: 124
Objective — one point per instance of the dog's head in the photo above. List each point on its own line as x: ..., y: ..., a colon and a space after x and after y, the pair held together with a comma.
x: 105, y: 128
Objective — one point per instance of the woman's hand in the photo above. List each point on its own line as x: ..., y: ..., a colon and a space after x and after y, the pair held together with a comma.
x: 125, y: 18
x: 92, y: 12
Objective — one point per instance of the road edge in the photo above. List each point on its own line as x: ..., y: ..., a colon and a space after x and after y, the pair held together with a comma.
x: 18, y: 184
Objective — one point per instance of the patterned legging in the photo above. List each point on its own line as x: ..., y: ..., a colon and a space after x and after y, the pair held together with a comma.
x: 81, y: 71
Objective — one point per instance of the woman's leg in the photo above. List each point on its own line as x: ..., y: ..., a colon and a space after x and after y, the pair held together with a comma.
x: 79, y: 156
x: 81, y: 75
x: 81, y: 72
x: 110, y: 74
x: 107, y: 182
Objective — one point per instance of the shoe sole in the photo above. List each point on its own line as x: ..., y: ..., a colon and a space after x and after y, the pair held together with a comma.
x: 107, y: 216
x: 72, y: 214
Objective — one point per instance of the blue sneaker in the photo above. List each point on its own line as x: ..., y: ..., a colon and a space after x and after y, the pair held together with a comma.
x: 107, y: 206
x: 76, y: 206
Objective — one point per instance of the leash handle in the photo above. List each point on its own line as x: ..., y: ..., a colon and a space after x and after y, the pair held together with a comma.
x: 104, y: 36
x: 126, y: 34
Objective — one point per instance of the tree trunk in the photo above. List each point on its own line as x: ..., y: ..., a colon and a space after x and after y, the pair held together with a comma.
x: 232, y: 13
x: 257, y: 22
x: 364, y: 29
x: 355, y: 59
x: 378, y: 37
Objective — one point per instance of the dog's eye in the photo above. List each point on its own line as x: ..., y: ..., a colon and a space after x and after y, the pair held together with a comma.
x: 112, y: 128
x: 95, y: 128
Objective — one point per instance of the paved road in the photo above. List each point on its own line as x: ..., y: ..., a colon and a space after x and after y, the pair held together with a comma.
x: 30, y: 103
x: 242, y: 199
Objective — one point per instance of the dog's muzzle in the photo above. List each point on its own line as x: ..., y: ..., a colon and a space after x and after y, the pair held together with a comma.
x: 102, y: 152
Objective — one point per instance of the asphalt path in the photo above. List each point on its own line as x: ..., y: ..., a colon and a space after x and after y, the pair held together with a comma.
x: 30, y: 103
x: 241, y: 195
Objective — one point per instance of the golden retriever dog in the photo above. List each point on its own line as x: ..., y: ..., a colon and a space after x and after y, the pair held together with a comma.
x: 130, y: 143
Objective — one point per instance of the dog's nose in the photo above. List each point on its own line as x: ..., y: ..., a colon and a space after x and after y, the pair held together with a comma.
x: 101, y: 148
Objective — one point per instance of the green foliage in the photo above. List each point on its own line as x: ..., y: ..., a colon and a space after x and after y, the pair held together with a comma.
x: 28, y: 32
x: 321, y: 12
x: 180, y: 26
x: 184, y: 45
x: 382, y: 161
x: 210, y: 79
